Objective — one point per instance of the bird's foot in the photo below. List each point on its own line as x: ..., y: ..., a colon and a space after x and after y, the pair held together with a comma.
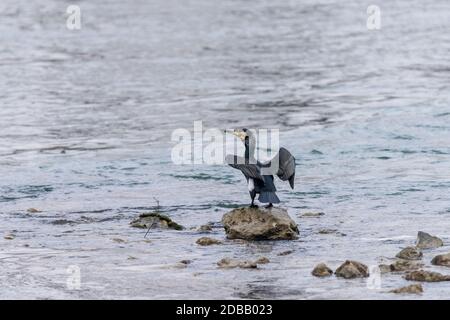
x: 269, y: 206
x: 253, y: 206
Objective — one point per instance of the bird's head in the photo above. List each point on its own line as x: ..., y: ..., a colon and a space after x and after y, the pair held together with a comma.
x: 242, y: 134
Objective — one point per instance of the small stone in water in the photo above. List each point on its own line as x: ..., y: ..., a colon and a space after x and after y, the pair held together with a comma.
x: 205, y: 241
x: 285, y: 253
x: 33, y: 210
x: 410, y: 253
x: 322, y: 270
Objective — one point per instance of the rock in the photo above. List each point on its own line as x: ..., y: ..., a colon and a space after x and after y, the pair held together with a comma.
x: 155, y: 220
x: 322, y: 270
x: 262, y: 260
x: 441, y: 260
x: 426, y: 276
x: 331, y: 231
x: 427, y: 241
x: 405, y: 265
x: 186, y: 261
x: 352, y: 269
x: 384, y: 268
x: 313, y: 214
x: 285, y: 253
x: 259, y: 224
x: 228, y: 263
x: 118, y: 240
x: 131, y: 258
x: 205, y: 241
x: 33, y: 210
x: 414, y: 288
x: 410, y: 253
x: 327, y: 231
x: 9, y: 237
x: 204, y: 228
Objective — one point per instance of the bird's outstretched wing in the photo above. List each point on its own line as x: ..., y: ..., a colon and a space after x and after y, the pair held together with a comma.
x: 249, y: 170
x: 285, y: 169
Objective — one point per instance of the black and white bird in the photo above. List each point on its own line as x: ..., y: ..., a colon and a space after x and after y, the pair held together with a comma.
x: 260, y: 175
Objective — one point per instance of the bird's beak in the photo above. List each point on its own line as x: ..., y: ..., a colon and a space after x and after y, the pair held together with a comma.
x: 240, y: 134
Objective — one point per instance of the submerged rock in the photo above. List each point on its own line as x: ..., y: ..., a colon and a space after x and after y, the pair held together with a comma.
x: 322, y: 270
x: 327, y: 231
x: 352, y: 269
x: 155, y: 220
x: 118, y: 240
x: 205, y: 241
x: 228, y: 263
x: 9, y: 237
x: 313, y: 214
x: 427, y: 241
x: 384, y: 268
x: 259, y: 224
x: 410, y: 253
x: 441, y: 260
x: 33, y: 210
x: 285, y: 253
x: 426, y: 276
x: 262, y: 260
x: 205, y: 228
x: 405, y: 265
x: 414, y: 288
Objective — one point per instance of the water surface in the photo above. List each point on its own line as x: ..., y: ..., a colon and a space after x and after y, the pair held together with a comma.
x: 85, y: 136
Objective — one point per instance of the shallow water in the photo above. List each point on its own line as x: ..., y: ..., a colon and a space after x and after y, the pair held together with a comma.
x: 85, y: 136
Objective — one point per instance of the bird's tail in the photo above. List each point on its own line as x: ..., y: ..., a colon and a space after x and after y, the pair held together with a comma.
x: 268, y: 197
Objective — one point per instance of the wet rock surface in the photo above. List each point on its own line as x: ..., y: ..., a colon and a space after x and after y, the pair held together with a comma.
x: 410, y: 253
x: 155, y: 220
x: 259, y: 224
x: 322, y: 270
x: 206, y: 241
x: 352, y: 269
x: 427, y: 241
x: 411, y: 289
x: 426, y: 276
x: 441, y: 260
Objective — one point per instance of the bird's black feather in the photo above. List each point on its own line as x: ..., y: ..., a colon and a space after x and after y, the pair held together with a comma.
x: 248, y: 169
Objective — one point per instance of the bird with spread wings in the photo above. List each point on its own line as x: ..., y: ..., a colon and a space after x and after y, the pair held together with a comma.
x: 260, y: 175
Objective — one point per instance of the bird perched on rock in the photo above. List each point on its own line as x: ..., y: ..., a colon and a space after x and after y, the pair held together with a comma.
x: 260, y: 175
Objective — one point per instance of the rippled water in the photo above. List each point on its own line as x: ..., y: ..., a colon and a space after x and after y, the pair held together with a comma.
x: 85, y: 134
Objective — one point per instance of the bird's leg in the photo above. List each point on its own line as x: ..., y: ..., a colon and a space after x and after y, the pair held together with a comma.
x: 270, y: 205
x: 253, y: 195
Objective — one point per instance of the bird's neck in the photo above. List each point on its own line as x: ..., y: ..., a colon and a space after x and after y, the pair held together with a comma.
x: 250, y: 151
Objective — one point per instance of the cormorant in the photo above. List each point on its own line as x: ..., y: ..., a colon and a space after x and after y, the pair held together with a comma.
x: 259, y: 175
